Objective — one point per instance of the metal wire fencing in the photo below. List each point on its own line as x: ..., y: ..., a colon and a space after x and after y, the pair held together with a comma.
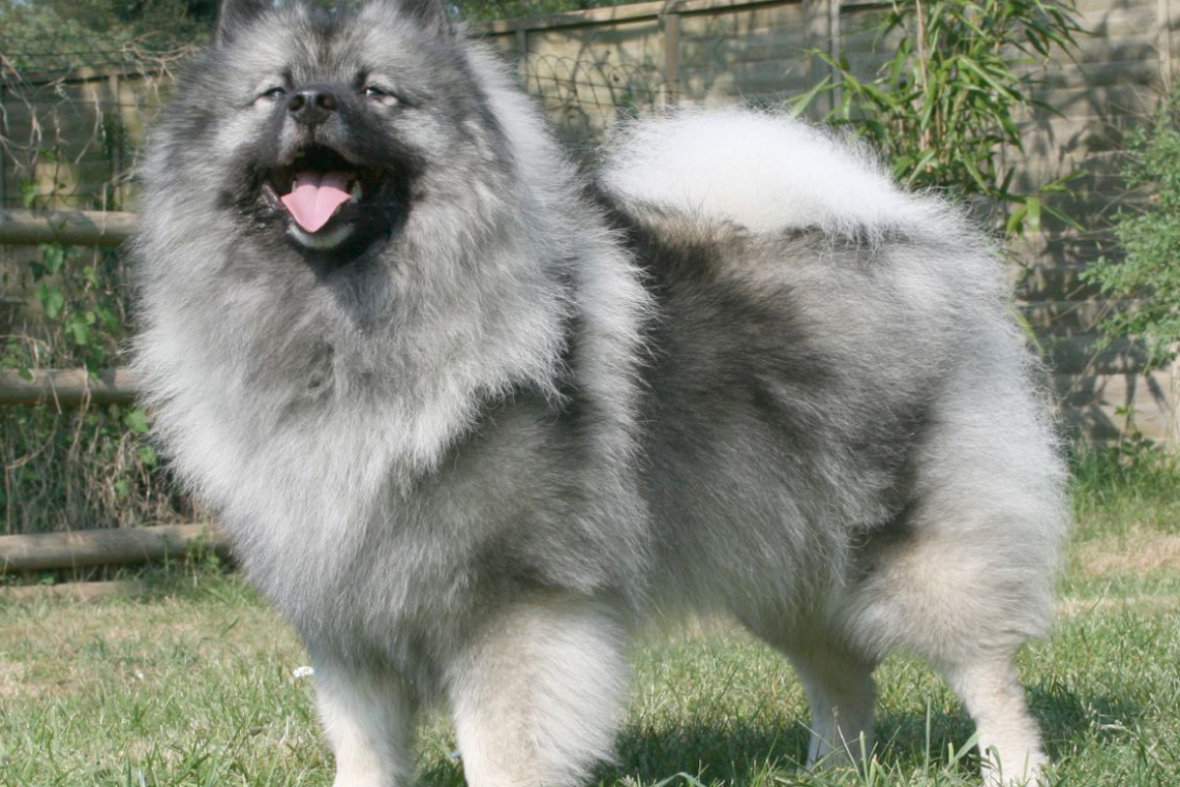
x: 72, y: 125
x: 70, y: 136
x: 585, y: 98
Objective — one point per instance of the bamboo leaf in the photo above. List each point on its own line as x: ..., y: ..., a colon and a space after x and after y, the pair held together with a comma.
x: 948, y: 93
x: 799, y: 104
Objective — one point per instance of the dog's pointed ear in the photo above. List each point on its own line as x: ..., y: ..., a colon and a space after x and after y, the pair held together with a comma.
x: 431, y: 14
x: 233, y: 15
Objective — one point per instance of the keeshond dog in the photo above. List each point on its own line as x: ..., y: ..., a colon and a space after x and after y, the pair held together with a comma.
x: 471, y: 417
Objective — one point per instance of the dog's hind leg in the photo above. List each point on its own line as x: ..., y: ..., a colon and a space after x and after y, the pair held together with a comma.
x: 1009, y: 739
x: 537, y: 694
x: 841, y: 692
x: 842, y: 696
x: 967, y: 576
x: 966, y: 607
x: 369, y: 720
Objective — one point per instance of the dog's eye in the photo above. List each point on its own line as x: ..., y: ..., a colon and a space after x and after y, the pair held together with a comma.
x: 372, y: 91
x: 274, y: 92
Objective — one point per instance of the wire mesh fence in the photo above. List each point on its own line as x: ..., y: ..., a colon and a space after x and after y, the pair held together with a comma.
x: 71, y: 138
x: 57, y: 52
x: 585, y: 97
x: 72, y: 125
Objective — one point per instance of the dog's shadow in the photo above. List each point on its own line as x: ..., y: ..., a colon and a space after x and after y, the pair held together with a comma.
x: 740, y: 752
x: 1071, y: 720
x: 735, y: 752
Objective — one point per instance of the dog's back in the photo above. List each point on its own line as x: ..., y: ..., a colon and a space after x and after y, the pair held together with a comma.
x: 843, y: 445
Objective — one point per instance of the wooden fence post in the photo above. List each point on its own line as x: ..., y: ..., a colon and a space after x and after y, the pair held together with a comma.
x: 823, y: 32
x: 1164, y: 41
x: 3, y: 162
x: 1173, y: 403
x: 112, y: 122
x: 671, y: 24
x: 522, y: 54
x: 834, y: 47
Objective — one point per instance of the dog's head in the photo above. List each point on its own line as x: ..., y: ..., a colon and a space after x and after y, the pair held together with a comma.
x: 326, y: 131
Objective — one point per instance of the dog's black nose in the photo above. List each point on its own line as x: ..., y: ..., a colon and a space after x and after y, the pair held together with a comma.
x: 312, y: 104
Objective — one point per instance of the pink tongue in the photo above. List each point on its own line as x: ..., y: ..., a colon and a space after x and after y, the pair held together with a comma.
x: 316, y: 197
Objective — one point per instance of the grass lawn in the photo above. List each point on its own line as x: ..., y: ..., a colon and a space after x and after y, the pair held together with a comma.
x: 196, y: 684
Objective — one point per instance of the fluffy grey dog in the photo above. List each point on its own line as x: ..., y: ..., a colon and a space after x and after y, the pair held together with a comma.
x: 471, y: 420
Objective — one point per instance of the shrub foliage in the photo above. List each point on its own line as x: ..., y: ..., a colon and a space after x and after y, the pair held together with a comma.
x: 1147, y: 278
x: 948, y: 100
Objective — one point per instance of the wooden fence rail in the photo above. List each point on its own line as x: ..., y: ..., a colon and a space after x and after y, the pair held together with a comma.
x: 67, y: 387
x: 106, y: 547
x: 99, y: 547
x: 68, y: 227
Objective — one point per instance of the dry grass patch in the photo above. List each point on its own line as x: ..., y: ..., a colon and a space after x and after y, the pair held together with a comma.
x: 1146, y: 604
x: 1137, y: 552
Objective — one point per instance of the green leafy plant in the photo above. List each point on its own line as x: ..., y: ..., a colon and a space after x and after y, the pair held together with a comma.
x: 76, y: 467
x: 942, y: 108
x: 1147, y: 278
x: 80, y: 301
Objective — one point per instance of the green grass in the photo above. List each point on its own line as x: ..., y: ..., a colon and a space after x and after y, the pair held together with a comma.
x: 193, y: 683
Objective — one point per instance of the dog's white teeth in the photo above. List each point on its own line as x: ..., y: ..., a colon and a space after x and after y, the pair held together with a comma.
x: 356, y: 192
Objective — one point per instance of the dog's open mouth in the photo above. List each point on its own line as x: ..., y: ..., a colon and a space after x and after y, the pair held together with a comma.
x: 320, y: 187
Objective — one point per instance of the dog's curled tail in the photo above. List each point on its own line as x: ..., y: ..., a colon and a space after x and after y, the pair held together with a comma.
x: 766, y: 172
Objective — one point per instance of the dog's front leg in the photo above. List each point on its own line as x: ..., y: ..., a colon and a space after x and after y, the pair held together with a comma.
x: 537, y: 694
x: 369, y: 720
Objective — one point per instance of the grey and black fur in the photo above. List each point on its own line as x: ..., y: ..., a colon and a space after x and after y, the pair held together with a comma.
x: 491, y: 419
